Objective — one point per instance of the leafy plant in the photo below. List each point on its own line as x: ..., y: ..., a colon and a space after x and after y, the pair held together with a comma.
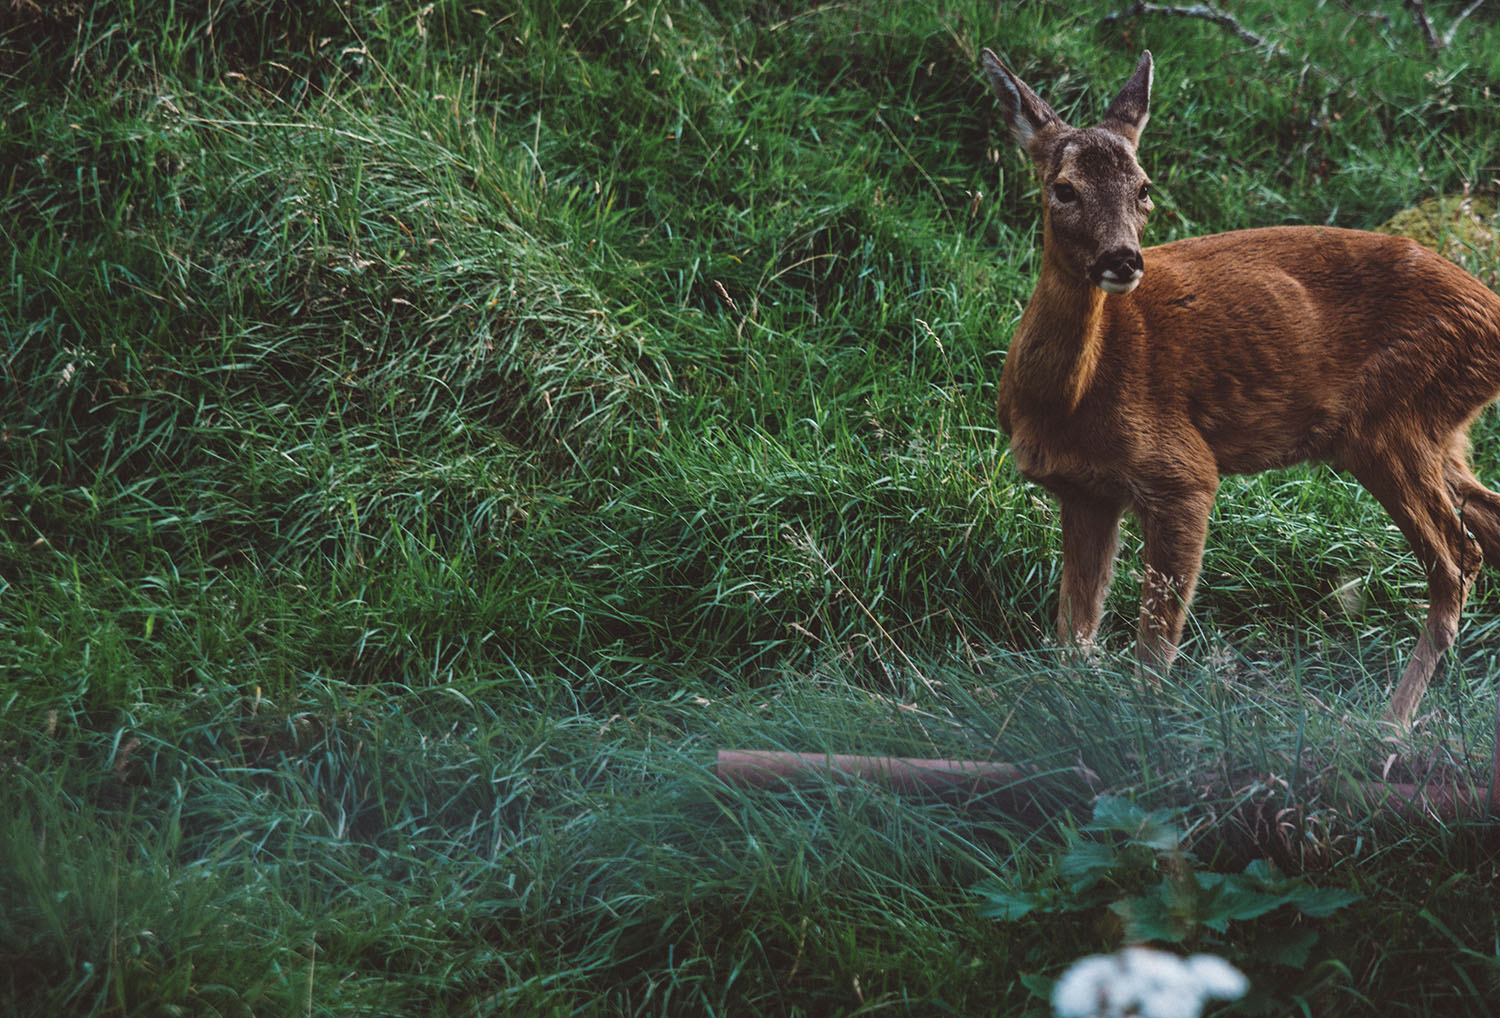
x: 1136, y: 865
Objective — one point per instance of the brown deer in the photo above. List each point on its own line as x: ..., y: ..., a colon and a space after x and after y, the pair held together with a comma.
x: 1137, y: 378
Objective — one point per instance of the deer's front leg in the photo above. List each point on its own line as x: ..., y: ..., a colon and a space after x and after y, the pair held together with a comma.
x: 1174, y: 531
x: 1091, y: 536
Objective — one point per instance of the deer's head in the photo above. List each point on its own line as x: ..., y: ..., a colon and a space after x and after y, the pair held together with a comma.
x: 1095, y: 196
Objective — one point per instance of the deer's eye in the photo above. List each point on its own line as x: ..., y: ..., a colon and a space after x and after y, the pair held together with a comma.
x: 1145, y: 194
x: 1064, y: 193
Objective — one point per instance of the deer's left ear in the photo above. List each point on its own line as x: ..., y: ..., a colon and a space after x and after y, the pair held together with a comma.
x: 1128, y: 114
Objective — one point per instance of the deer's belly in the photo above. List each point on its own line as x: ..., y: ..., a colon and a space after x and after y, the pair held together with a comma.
x: 1067, y: 468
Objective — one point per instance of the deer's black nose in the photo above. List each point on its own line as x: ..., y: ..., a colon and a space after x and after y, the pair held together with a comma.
x: 1119, y: 270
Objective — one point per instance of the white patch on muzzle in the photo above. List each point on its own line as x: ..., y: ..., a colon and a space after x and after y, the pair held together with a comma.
x: 1111, y: 283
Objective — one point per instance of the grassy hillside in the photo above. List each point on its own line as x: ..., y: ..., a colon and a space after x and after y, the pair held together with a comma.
x: 429, y: 430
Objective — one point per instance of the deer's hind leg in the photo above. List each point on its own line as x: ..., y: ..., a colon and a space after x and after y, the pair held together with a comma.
x: 1413, y: 482
x: 1478, y: 507
x: 1174, y: 529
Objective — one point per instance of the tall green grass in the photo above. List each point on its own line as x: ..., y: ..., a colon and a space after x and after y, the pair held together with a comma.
x: 431, y: 430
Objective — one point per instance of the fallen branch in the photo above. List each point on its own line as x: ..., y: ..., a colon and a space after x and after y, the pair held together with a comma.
x: 1225, y: 20
x: 1419, y: 13
x: 1019, y: 786
x: 1442, y: 802
x: 760, y: 768
x: 1453, y: 28
x: 1207, y: 12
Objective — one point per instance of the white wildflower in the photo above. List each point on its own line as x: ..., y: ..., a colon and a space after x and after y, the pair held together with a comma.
x: 1218, y: 978
x: 1147, y: 983
x: 1083, y: 989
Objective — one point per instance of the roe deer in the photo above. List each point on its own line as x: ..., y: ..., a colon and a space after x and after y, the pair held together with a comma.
x: 1136, y: 378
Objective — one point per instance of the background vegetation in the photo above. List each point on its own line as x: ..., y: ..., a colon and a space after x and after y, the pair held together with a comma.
x: 429, y: 430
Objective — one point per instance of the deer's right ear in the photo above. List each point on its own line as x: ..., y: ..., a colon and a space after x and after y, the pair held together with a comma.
x: 1025, y: 112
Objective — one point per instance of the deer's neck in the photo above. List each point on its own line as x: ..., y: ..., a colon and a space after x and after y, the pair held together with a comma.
x: 1056, y: 348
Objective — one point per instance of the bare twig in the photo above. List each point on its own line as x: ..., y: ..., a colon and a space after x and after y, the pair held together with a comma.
x: 760, y: 768
x: 1207, y: 12
x: 1453, y: 28
x: 1377, y: 16
x: 1418, y: 10
x: 1022, y: 787
x: 1435, y: 43
x: 1225, y: 20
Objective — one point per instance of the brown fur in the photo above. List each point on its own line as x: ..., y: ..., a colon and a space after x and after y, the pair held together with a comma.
x: 1236, y: 353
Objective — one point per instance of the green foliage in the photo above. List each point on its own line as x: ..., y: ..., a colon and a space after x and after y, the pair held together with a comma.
x: 1136, y: 864
x: 429, y: 430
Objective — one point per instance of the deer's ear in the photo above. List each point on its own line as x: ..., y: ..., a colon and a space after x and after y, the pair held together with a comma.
x: 1025, y: 113
x: 1128, y: 114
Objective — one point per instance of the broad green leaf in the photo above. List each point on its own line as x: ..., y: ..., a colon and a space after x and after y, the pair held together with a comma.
x: 1148, y: 917
x: 1286, y: 947
x: 1159, y: 829
x: 1230, y: 896
x: 1006, y: 904
x: 1112, y: 813
x: 1086, y: 864
x: 1039, y: 985
x: 1320, y: 902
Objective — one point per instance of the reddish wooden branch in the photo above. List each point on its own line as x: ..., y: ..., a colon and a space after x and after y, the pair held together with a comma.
x: 1446, y: 802
x: 1018, y: 786
x: 760, y: 768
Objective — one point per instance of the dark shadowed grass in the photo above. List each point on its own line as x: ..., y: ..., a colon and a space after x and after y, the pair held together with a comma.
x: 432, y: 431
x: 467, y: 846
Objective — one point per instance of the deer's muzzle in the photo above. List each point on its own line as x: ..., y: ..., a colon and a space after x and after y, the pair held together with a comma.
x: 1118, y: 271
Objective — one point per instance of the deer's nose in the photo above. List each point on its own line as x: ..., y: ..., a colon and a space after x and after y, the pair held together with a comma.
x: 1118, y: 271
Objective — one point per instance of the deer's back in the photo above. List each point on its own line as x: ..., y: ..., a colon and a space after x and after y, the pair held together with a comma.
x: 1281, y: 344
